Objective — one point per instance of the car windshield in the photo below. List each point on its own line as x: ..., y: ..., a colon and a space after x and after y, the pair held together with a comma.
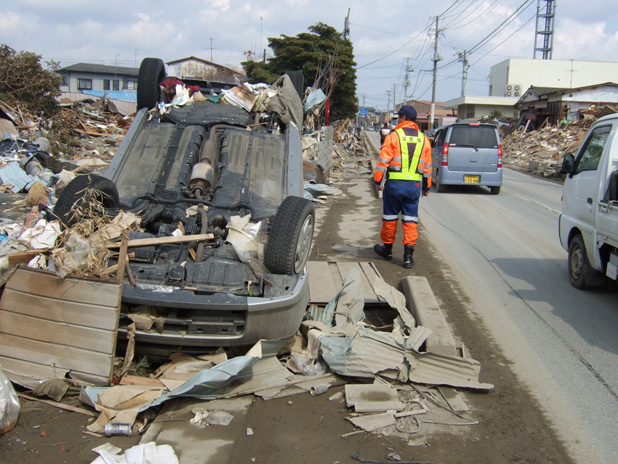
x: 476, y: 136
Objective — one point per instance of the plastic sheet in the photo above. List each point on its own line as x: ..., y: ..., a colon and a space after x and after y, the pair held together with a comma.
x: 9, y: 404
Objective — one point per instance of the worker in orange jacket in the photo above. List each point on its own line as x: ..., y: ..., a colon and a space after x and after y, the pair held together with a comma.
x: 403, y: 173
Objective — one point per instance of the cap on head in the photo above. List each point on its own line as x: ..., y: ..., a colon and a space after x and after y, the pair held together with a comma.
x: 408, y: 112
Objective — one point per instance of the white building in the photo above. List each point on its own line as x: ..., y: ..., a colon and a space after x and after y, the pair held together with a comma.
x: 510, y: 79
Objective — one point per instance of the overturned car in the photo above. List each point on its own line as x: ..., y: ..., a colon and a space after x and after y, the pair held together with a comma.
x: 229, y: 178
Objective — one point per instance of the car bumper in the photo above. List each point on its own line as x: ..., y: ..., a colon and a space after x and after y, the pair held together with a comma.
x: 487, y: 179
x: 223, y: 321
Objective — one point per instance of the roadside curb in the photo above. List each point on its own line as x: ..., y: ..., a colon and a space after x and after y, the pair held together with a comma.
x: 423, y: 305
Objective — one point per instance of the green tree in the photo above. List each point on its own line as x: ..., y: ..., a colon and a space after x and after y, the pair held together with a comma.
x: 23, y: 80
x: 325, y: 59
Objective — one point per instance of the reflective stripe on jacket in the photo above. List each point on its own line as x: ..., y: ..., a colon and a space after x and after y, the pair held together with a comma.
x: 409, y: 140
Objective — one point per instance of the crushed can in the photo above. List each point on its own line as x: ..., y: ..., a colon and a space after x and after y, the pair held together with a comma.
x: 117, y: 429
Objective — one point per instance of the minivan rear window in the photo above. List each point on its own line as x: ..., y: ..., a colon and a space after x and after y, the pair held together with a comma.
x: 477, y: 136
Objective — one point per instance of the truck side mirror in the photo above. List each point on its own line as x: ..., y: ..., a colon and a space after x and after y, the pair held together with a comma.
x: 568, y: 163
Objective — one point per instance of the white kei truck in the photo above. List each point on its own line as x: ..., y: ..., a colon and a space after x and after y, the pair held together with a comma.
x: 588, y: 225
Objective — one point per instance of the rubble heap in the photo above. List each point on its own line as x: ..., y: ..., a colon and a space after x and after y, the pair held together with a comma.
x: 541, y: 151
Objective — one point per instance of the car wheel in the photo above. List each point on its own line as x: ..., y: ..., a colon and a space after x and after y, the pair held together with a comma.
x: 151, y: 73
x: 494, y: 190
x: 581, y: 273
x: 440, y: 188
x: 81, y: 191
x: 290, y: 237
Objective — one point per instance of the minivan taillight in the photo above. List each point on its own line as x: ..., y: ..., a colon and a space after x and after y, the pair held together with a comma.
x: 445, y: 155
x: 499, y: 156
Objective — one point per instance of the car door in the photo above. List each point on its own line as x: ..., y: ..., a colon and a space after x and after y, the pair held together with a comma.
x: 582, y: 190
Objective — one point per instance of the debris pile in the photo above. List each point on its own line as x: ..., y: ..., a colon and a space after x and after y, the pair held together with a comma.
x: 541, y: 151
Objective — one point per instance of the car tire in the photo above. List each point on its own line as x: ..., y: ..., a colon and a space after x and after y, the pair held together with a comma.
x: 440, y: 188
x: 151, y: 73
x: 298, y: 80
x: 80, y: 191
x: 290, y: 237
x: 581, y: 273
x: 494, y: 190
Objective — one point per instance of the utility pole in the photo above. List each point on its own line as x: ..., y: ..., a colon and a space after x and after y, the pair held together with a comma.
x: 436, y: 58
x: 346, y: 25
x: 388, y: 105
x: 464, y: 73
x: 406, y: 82
x: 394, y: 99
x: 211, y: 49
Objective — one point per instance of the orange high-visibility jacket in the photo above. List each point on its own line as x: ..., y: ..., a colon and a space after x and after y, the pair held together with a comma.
x: 391, y: 153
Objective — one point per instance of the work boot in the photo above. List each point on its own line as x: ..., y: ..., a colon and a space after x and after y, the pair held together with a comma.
x: 385, y: 251
x: 408, y: 251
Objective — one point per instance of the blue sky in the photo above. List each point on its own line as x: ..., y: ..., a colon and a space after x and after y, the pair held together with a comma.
x: 388, y: 38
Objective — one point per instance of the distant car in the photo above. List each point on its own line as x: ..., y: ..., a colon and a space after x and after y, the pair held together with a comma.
x: 194, y: 168
x: 467, y: 154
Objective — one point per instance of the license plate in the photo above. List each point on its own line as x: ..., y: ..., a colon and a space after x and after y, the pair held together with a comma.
x: 472, y: 179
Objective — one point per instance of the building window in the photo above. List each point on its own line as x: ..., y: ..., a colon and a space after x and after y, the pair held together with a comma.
x: 131, y: 85
x: 84, y: 84
x: 106, y: 85
x: 65, y: 80
x: 116, y: 85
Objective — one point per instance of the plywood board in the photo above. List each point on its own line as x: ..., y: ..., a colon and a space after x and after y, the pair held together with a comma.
x: 326, y: 279
x: 50, y: 326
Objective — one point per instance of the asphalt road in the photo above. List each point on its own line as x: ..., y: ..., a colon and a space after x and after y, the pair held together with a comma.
x: 504, y: 252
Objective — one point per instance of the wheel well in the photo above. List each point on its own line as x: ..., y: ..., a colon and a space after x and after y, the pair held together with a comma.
x: 574, y: 231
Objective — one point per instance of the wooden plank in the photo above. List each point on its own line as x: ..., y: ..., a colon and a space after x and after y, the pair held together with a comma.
x: 87, y: 291
x: 56, y: 404
x: 164, y: 240
x: 371, y: 273
x: 346, y: 267
x: 42, y: 334
x: 59, y: 333
x: 51, y: 309
x: 27, y: 369
x: 60, y: 356
x: 18, y: 370
x: 326, y: 279
x: 24, y: 256
x: 321, y: 287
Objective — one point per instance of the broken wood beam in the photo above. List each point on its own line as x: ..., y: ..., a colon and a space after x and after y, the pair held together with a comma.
x: 56, y: 404
x: 164, y: 240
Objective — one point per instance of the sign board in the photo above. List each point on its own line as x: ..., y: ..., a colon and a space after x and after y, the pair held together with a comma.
x: 362, y: 112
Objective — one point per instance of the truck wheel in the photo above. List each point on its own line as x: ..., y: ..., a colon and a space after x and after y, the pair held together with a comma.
x: 494, y: 190
x: 151, y: 73
x: 79, y: 192
x: 581, y: 273
x: 290, y: 237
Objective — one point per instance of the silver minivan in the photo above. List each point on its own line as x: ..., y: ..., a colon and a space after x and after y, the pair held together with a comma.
x: 467, y: 154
